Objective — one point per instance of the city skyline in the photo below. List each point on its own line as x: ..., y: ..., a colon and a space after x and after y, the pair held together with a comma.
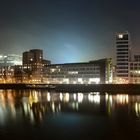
x: 67, y: 30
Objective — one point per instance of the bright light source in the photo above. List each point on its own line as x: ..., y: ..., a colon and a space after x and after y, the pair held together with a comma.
x: 120, y: 36
x: 66, y: 80
x: 72, y: 72
x: 94, y: 80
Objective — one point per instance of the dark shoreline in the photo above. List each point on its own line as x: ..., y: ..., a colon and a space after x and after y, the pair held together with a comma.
x: 77, y: 87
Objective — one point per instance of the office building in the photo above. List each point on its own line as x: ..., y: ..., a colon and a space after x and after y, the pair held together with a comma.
x: 32, y: 68
x: 123, y: 57
x: 10, y: 60
x: 7, y: 74
x: 134, y: 76
x: 93, y: 72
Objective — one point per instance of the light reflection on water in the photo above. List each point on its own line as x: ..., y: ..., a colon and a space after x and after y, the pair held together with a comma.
x: 35, y: 105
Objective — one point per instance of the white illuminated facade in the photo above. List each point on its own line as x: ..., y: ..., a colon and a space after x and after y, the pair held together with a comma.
x: 7, y: 74
x: 10, y: 60
x: 7, y: 63
x: 93, y: 72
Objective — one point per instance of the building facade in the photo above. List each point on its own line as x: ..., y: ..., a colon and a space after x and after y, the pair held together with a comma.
x: 123, y: 57
x: 7, y: 63
x: 32, y: 69
x: 10, y: 60
x: 93, y: 72
x: 134, y: 76
x: 7, y: 74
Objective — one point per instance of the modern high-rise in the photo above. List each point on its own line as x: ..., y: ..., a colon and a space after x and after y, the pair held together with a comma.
x: 123, y: 56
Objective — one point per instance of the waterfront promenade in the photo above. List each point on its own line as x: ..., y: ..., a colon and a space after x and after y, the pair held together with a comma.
x: 76, y: 87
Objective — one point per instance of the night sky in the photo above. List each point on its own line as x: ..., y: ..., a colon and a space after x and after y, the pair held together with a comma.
x: 67, y: 30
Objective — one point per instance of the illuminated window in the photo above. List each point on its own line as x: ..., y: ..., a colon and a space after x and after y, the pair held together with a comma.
x: 72, y: 72
x: 120, y: 36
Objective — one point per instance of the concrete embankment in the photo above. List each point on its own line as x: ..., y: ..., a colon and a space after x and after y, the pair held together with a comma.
x: 77, y: 88
x: 12, y: 86
x: 100, y: 88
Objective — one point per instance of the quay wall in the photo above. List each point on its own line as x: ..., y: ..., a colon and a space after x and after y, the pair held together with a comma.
x: 76, y: 88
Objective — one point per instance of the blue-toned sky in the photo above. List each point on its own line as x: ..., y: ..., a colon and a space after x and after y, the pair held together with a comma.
x: 67, y: 30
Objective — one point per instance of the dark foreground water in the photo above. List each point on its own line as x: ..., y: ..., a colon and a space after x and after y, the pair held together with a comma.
x: 36, y: 114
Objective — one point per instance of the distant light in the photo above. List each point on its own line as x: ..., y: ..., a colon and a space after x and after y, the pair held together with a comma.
x: 94, y: 80
x: 72, y: 72
x: 120, y: 36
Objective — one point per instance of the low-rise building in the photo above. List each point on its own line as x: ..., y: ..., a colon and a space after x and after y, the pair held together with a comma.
x: 92, y: 72
x: 10, y: 60
x: 134, y: 70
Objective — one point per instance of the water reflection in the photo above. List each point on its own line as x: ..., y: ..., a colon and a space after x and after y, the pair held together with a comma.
x: 35, y: 104
x: 94, y: 98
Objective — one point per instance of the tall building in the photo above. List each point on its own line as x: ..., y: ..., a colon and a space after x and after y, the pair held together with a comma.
x: 33, y: 65
x: 32, y: 70
x: 123, y: 56
x: 34, y: 57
